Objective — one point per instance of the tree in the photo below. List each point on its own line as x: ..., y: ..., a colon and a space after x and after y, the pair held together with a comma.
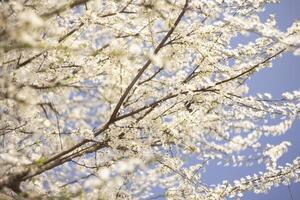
x: 116, y: 99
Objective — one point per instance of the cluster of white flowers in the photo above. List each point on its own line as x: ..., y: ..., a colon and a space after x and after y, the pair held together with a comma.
x: 259, y: 183
x: 119, y: 99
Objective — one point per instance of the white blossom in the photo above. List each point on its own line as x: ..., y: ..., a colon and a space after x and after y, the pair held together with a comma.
x: 119, y: 99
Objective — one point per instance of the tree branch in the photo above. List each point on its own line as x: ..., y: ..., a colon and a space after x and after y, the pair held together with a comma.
x: 146, y: 65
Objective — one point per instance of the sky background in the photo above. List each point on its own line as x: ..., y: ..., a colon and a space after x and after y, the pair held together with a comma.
x: 283, y: 76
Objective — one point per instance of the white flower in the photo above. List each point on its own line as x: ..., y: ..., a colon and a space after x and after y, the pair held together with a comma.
x: 156, y: 59
x: 28, y: 17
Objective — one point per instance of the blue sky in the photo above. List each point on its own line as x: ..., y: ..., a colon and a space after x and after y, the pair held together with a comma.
x: 283, y: 76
